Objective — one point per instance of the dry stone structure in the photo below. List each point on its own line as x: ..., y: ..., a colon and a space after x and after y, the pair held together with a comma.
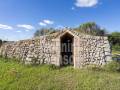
x: 84, y: 49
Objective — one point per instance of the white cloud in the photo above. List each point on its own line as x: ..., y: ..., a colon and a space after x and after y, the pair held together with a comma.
x: 46, y: 22
x: 42, y: 24
x: 26, y: 26
x: 2, y: 26
x: 86, y: 3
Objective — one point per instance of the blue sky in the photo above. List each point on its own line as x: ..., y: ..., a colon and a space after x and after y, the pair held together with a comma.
x: 19, y: 19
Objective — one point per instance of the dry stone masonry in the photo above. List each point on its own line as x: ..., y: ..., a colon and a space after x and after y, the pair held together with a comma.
x: 87, y: 49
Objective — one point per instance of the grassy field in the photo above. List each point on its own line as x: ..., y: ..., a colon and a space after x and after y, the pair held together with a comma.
x: 14, y: 76
x: 116, y: 52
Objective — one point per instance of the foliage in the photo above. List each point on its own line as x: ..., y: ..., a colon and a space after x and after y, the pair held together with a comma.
x: 114, y: 39
x: 87, y: 28
x: 94, y: 67
x: 44, y: 31
x: 116, y: 48
x: 15, y: 76
x: 91, y: 28
x: 53, y: 67
x: 113, y: 66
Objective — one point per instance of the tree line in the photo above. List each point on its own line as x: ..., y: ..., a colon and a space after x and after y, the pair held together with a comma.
x: 86, y: 28
x: 90, y: 28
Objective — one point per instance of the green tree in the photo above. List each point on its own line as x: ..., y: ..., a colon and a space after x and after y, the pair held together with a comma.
x: 114, y: 39
x: 91, y: 28
x: 44, y: 31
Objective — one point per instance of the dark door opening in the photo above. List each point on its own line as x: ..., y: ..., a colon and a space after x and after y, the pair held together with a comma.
x: 67, y: 50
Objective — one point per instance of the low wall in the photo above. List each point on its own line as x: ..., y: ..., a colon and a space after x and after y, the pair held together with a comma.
x: 32, y: 51
x: 87, y: 50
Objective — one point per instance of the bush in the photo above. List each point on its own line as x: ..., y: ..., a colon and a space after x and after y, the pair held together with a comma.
x: 112, y: 66
x: 116, y: 47
x: 44, y: 31
x: 53, y: 67
x: 94, y: 67
x: 91, y: 28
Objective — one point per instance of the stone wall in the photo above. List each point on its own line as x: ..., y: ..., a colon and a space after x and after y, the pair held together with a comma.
x: 87, y: 50
x: 93, y: 50
x: 34, y: 51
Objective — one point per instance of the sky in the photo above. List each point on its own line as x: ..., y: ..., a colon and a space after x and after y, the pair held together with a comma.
x: 19, y: 19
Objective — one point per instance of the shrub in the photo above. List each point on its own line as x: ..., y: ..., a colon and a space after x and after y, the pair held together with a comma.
x: 94, y: 67
x: 53, y: 67
x: 112, y: 66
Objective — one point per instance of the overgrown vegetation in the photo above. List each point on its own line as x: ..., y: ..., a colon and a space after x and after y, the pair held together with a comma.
x: 114, y: 39
x: 91, y: 28
x: 113, y: 66
x: 44, y: 31
x: 87, y: 28
x: 15, y: 76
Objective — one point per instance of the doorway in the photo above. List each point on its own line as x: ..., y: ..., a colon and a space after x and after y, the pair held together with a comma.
x: 67, y: 49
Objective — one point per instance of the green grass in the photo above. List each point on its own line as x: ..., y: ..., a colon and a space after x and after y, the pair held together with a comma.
x: 15, y: 76
x: 116, y: 50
